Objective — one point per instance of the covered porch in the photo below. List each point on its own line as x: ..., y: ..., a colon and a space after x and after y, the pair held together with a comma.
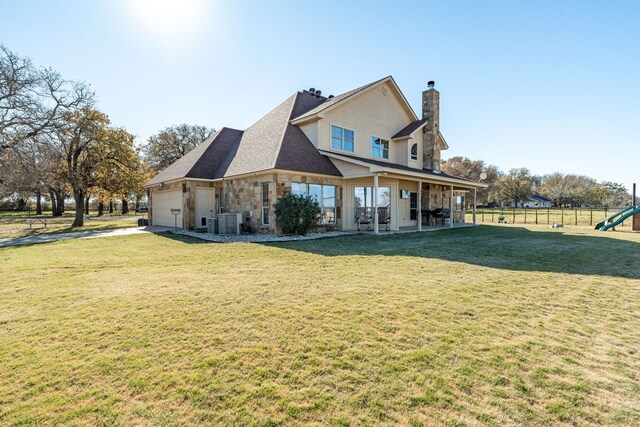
x: 385, y: 197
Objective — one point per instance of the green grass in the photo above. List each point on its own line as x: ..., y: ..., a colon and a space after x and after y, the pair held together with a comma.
x: 476, y: 326
x: 67, y: 214
x: 18, y: 226
x: 573, y: 217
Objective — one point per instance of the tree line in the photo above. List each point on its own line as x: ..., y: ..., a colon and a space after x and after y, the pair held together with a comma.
x: 517, y: 185
x: 55, y: 143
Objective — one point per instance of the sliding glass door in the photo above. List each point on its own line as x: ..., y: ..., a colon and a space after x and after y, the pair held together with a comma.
x: 363, y: 202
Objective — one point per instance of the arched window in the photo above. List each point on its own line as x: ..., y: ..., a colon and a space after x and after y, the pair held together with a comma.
x: 414, y: 152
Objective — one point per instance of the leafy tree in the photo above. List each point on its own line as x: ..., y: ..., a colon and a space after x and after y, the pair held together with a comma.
x: 91, y: 150
x: 172, y: 143
x: 466, y: 168
x: 516, y: 186
x: 614, y: 194
x: 297, y: 214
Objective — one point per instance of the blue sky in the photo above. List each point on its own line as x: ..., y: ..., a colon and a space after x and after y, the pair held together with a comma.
x: 548, y: 85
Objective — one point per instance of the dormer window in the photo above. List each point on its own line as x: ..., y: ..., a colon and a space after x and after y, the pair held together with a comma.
x: 379, y: 147
x: 342, y: 139
x: 414, y: 152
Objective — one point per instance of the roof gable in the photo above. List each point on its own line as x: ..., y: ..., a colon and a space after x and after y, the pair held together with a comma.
x: 298, y: 153
x: 260, y: 143
x: 331, y: 103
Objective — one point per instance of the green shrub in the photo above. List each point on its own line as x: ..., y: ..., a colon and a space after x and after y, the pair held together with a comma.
x: 297, y: 214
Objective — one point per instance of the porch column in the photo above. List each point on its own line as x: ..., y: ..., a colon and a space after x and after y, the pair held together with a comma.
x: 475, y: 191
x: 451, y: 208
x: 419, y: 205
x: 375, y: 203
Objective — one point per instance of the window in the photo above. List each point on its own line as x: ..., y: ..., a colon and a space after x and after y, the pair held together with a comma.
x: 413, y: 206
x: 265, y: 203
x: 325, y: 195
x: 414, y: 152
x: 328, y: 204
x: 379, y: 147
x: 364, y: 202
x: 458, y: 203
x: 342, y: 139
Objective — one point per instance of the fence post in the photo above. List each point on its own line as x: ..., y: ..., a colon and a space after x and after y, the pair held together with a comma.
x: 561, y: 215
x: 536, y: 216
x: 492, y: 215
x: 525, y: 214
x: 591, y: 216
x: 576, y: 212
x: 548, y: 214
x: 482, y: 215
x: 514, y: 215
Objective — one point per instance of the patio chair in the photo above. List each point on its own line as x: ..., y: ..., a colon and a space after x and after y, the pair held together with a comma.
x: 364, y: 220
x: 384, y: 217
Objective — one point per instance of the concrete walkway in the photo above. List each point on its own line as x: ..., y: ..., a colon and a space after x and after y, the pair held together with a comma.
x: 88, y: 234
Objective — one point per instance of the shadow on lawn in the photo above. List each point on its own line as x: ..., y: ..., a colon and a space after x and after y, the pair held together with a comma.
x: 509, y: 248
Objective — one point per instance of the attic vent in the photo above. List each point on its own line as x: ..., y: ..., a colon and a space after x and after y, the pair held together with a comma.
x: 318, y: 92
x: 330, y: 96
x: 312, y: 90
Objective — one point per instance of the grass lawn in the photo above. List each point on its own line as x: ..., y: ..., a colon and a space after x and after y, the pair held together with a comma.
x: 569, y: 217
x: 12, y: 225
x: 494, y: 325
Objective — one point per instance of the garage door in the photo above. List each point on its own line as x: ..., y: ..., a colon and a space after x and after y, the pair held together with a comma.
x: 161, y: 204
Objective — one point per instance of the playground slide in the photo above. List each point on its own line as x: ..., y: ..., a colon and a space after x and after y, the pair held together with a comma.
x: 612, y: 217
x: 617, y: 219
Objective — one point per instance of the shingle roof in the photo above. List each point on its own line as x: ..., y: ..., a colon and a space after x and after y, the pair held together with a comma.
x: 271, y: 143
x: 214, y: 162
x: 540, y: 197
x: 206, y: 161
x: 410, y: 128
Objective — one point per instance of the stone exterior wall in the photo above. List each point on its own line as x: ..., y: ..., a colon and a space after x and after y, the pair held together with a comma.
x: 284, y: 186
x: 431, y: 132
x: 244, y: 195
x: 435, y: 196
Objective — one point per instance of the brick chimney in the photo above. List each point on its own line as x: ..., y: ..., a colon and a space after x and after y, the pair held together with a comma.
x: 430, y: 136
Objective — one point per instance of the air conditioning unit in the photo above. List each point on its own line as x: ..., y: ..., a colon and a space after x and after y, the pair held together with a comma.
x: 212, y: 226
x: 229, y: 223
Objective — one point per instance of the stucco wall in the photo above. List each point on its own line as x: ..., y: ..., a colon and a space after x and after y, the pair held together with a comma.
x: 371, y: 113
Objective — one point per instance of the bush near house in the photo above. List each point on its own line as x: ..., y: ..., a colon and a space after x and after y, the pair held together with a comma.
x: 297, y: 214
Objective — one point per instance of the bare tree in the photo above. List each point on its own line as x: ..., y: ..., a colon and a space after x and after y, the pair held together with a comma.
x: 32, y: 99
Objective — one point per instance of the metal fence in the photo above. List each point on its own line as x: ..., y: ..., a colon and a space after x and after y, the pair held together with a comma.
x: 566, y: 216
